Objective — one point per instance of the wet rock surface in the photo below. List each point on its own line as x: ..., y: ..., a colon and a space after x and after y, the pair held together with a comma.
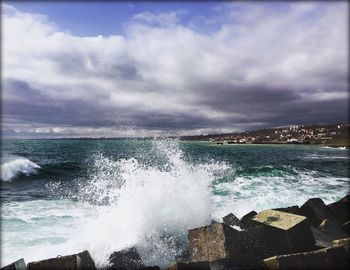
x: 77, y: 261
x: 327, y: 258
x: 246, y: 220
x: 231, y: 220
x: 125, y: 259
x: 17, y: 265
x: 316, y: 211
x: 340, y: 209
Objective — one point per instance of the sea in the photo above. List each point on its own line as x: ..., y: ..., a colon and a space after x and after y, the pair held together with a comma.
x: 61, y: 197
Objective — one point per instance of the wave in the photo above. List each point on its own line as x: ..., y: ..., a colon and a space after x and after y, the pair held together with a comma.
x: 318, y: 156
x: 259, y: 192
x: 334, y: 148
x: 150, y: 205
x: 13, y: 168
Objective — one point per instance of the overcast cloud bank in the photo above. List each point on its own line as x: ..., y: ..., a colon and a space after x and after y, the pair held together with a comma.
x: 255, y: 67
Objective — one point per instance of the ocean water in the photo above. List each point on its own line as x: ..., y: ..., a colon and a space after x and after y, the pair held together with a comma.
x: 64, y: 196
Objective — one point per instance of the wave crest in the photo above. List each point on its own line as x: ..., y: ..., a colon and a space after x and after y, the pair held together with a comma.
x: 11, y: 169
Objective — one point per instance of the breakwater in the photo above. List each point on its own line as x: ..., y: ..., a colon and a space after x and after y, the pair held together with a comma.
x: 312, y: 236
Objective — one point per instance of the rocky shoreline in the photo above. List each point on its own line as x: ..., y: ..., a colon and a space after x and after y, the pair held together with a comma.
x: 313, y: 236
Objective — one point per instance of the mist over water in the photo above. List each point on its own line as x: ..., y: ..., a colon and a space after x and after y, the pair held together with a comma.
x: 147, y: 194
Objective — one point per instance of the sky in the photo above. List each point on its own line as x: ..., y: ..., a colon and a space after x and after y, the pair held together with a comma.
x: 116, y: 69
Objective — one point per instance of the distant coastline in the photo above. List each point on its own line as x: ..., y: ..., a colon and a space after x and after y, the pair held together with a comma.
x: 332, y: 135
x: 336, y: 135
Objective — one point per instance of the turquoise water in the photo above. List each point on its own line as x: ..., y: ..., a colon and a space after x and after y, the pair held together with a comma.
x: 64, y: 196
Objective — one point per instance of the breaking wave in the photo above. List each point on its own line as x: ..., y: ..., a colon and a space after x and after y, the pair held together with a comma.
x: 11, y: 169
x: 147, y: 206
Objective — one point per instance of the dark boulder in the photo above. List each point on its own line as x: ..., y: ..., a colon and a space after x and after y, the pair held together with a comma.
x: 341, y: 209
x: 126, y: 259
x: 17, y: 265
x: 333, y: 230
x: 79, y: 261
x: 231, y: 220
x: 247, y: 222
x: 316, y: 211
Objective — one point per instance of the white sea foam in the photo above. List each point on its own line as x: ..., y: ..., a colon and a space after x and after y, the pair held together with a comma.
x: 326, y: 157
x: 19, y: 165
x: 334, y: 148
x: 257, y: 193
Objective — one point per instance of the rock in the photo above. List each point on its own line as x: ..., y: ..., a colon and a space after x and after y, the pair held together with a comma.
x: 246, y: 220
x: 126, y: 259
x: 291, y: 209
x: 80, y: 261
x: 189, y: 266
x: 341, y: 209
x: 322, y: 240
x: 225, y: 248
x: 345, y: 243
x: 150, y: 268
x: 333, y: 230
x: 327, y: 258
x: 286, y: 232
x: 346, y: 227
x: 211, y: 242
x: 17, y: 265
x: 316, y: 211
x: 231, y: 220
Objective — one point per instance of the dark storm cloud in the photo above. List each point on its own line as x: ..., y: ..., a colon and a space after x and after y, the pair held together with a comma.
x: 253, y: 71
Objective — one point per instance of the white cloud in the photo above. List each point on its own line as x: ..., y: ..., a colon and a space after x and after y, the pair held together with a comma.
x: 163, y: 74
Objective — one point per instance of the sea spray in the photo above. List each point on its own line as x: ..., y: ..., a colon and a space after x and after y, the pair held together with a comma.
x: 143, y: 205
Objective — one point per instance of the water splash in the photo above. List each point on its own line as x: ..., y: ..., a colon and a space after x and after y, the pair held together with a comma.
x: 11, y: 169
x: 149, y: 206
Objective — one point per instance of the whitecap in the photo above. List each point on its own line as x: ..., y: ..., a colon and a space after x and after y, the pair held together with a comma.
x: 21, y: 165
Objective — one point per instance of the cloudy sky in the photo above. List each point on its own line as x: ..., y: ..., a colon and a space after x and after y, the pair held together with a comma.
x: 140, y: 69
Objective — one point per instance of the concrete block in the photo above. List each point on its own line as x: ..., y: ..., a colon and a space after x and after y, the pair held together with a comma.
x: 79, y: 261
x: 316, y: 211
x: 246, y: 220
x: 17, y: 265
x: 286, y: 232
x: 220, y: 243
x: 341, y: 209
x: 333, y: 230
x: 345, y: 243
x: 291, y: 209
x: 346, y: 227
x: 231, y: 220
x: 211, y: 242
x: 128, y: 259
x: 322, y: 240
x: 327, y: 258
x: 189, y: 266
